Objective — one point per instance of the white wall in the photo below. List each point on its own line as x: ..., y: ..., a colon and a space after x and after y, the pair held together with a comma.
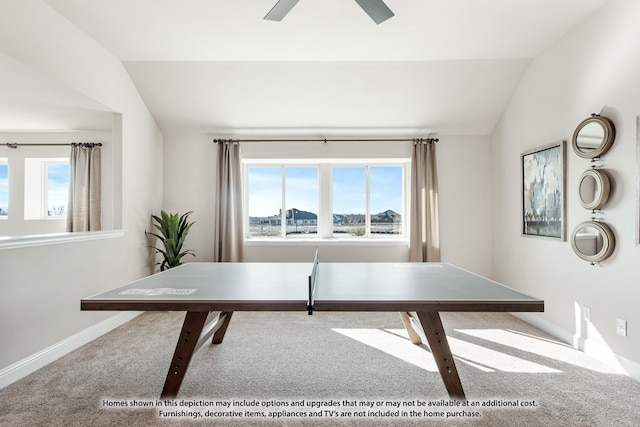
x: 595, y: 66
x: 464, y: 177
x: 42, y: 286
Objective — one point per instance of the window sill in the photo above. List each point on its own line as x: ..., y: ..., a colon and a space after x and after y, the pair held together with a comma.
x: 14, y: 242
x: 275, y: 241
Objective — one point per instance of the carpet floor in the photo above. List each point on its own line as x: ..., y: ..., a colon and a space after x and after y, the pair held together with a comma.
x: 329, y: 369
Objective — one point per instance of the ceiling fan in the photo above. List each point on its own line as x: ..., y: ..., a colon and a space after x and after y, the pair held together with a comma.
x: 376, y: 9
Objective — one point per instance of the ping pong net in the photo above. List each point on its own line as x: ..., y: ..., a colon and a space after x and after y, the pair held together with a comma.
x: 312, y: 284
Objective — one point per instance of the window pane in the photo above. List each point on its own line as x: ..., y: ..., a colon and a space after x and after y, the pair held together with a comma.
x: 57, y: 190
x: 349, y: 201
x: 301, y: 201
x: 385, y: 184
x: 265, y: 201
x: 4, y: 189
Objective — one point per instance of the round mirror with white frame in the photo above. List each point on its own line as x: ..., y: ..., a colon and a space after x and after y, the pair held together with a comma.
x: 593, y: 241
x: 593, y: 189
x: 593, y: 137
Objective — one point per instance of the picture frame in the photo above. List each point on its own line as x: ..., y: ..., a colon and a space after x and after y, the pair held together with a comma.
x: 544, y: 191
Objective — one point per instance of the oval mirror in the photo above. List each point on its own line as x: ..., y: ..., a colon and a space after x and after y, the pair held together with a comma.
x: 593, y: 241
x: 593, y: 137
x: 593, y: 189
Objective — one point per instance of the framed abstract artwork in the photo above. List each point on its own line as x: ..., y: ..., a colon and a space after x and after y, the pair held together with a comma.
x: 543, y: 191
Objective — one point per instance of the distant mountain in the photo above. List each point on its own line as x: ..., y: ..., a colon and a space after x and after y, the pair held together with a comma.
x: 386, y: 216
x: 299, y: 215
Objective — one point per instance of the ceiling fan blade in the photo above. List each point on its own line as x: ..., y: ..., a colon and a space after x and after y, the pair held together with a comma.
x: 280, y: 10
x: 376, y: 9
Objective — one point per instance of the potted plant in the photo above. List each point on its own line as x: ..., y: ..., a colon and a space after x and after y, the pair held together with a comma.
x: 173, y: 230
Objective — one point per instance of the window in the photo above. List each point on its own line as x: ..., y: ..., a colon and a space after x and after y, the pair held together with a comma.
x: 326, y: 200
x: 349, y: 201
x: 301, y: 198
x: 283, y: 195
x: 36, y: 193
x: 4, y: 188
x: 46, y: 188
x: 386, y: 188
x: 56, y: 191
x: 368, y: 200
x: 265, y: 201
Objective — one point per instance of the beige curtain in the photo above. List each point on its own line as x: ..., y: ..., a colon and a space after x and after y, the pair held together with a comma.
x: 424, y: 239
x: 84, y: 211
x: 228, y: 222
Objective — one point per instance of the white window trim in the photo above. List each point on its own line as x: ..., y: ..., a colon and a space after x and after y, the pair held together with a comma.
x: 319, y: 242
x: 35, y: 188
x: 325, y: 193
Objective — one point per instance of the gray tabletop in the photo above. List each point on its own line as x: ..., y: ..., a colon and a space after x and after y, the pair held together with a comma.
x: 413, y: 286
x: 339, y: 287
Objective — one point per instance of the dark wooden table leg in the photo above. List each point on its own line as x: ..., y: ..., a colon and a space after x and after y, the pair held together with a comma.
x: 434, y: 332
x: 191, y: 329
x: 225, y: 316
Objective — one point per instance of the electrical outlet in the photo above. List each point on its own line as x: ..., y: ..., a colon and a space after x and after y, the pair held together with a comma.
x: 586, y: 313
x: 621, y: 327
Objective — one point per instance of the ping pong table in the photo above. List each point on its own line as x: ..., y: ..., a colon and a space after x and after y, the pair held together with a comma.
x: 211, y: 292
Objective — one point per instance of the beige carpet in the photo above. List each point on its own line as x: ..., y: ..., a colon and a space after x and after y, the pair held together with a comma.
x: 271, y: 362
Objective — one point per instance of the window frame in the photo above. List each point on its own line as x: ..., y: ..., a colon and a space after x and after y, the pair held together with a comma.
x: 45, y: 187
x: 368, y: 213
x: 283, y: 197
x: 36, y: 187
x: 325, y: 199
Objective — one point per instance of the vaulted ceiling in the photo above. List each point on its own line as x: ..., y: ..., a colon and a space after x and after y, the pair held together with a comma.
x: 437, y: 66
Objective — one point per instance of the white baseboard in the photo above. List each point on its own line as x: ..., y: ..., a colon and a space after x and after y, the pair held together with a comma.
x: 589, y: 347
x: 28, y: 365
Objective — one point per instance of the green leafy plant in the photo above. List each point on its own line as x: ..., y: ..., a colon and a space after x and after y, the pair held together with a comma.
x: 173, y: 230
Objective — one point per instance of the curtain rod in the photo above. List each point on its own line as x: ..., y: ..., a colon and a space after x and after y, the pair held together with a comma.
x: 16, y: 145
x: 325, y: 140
